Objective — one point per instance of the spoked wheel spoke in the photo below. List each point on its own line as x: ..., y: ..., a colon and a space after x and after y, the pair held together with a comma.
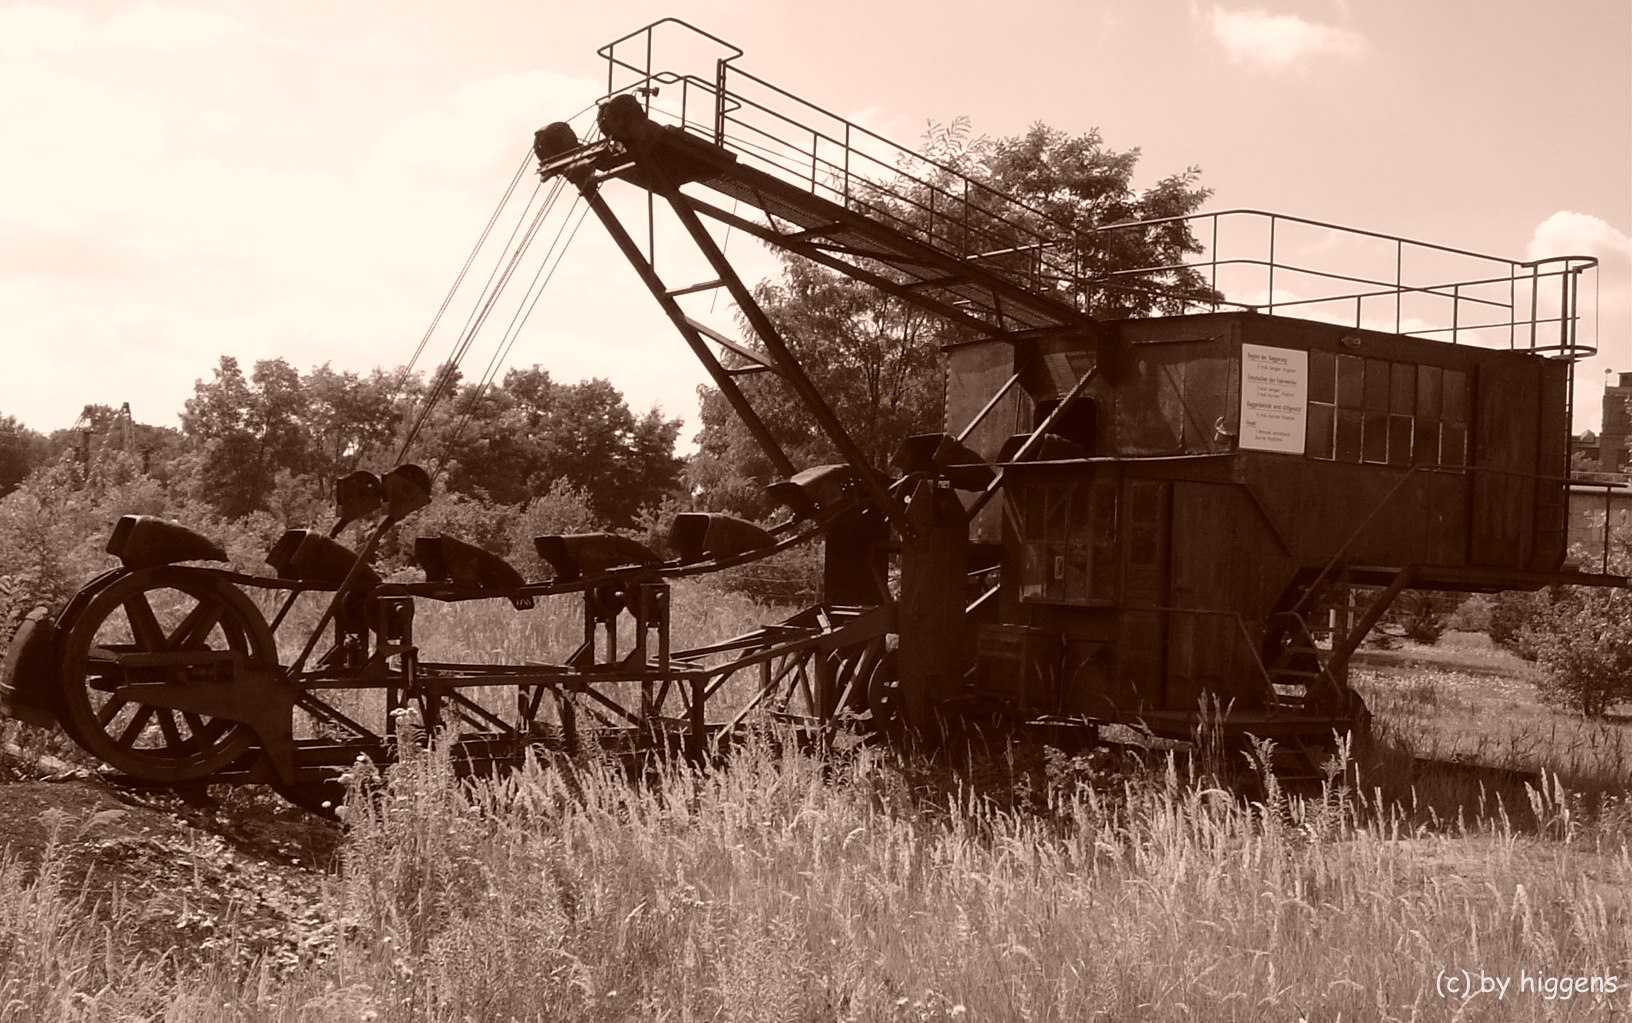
x: 138, y: 723
x: 169, y: 729
x: 144, y: 624
x: 196, y: 626
x: 165, y: 610
x: 110, y: 710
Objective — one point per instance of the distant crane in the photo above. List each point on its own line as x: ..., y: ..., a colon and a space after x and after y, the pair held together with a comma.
x: 94, y: 419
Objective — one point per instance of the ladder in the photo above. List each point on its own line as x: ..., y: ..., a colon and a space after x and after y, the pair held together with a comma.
x: 1316, y: 627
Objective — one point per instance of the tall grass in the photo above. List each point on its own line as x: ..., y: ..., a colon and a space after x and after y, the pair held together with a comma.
x: 783, y: 886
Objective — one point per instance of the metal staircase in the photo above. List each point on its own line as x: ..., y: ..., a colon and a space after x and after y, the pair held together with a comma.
x: 1317, y: 626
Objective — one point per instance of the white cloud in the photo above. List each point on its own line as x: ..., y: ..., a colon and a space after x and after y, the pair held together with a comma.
x: 1605, y: 303
x: 1567, y: 233
x: 1279, y: 41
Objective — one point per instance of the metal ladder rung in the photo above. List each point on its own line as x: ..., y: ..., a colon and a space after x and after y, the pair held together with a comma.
x: 692, y: 289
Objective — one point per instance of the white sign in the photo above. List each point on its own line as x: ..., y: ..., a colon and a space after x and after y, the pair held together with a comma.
x: 1274, y: 398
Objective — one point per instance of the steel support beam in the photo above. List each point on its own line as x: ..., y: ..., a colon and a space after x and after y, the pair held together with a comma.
x: 688, y: 330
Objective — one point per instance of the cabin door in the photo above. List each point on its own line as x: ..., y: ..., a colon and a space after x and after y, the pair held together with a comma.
x: 1502, y: 483
x: 1143, y: 629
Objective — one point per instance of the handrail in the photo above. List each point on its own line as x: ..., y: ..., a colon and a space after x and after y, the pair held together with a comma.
x: 776, y: 131
x: 1521, y: 280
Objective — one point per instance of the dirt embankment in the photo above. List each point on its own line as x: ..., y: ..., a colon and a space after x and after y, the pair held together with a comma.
x: 229, y: 871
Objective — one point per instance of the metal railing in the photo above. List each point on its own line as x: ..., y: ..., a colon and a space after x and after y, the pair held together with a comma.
x: 940, y: 203
x: 1250, y: 259
x: 1385, y: 282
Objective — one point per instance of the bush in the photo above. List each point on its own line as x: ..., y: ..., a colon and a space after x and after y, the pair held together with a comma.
x: 564, y: 509
x: 1510, y: 616
x: 471, y: 519
x: 1472, y: 615
x: 52, y: 533
x: 793, y: 577
x: 1583, y: 643
x: 1422, y: 616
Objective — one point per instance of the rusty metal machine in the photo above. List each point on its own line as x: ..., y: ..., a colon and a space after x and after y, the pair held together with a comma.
x: 1121, y: 520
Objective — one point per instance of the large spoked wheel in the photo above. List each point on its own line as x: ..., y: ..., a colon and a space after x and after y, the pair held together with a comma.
x: 112, y: 643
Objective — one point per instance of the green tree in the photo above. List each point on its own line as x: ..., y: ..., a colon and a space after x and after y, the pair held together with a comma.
x: 276, y: 417
x: 1583, y: 644
x: 876, y: 358
x: 512, y: 443
x: 21, y: 451
x: 233, y: 476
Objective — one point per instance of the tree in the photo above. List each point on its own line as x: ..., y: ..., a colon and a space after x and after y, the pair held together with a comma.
x: 277, y: 417
x: 21, y: 451
x: 1078, y: 183
x: 876, y: 357
x: 1583, y: 643
x: 349, y: 417
x: 235, y: 476
x: 279, y: 424
x: 513, y: 443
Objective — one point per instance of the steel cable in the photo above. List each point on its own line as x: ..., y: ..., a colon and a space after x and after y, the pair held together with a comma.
x: 447, y: 300
x: 524, y: 310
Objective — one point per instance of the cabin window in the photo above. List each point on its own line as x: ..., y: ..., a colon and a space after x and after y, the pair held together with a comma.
x: 1076, y: 424
x: 1379, y: 412
x: 1068, y: 538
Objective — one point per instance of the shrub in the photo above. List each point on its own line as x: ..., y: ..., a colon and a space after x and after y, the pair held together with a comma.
x: 1472, y: 615
x: 1510, y: 615
x: 1422, y: 616
x: 793, y: 577
x: 563, y: 509
x: 1583, y: 643
x: 51, y: 537
x: 474, y: 520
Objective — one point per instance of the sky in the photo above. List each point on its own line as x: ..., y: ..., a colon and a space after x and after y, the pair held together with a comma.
x: 304, y: 179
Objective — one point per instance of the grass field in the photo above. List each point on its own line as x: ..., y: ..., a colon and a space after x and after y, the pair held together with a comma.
x: 1468, y: 701
x: 1018, y: 884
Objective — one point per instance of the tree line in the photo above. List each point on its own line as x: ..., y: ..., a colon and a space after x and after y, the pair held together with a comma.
x: 265, y: 440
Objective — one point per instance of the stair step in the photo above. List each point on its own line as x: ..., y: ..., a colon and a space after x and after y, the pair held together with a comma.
x: 692, y: 289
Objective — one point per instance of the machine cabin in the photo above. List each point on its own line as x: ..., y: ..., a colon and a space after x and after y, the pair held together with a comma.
x: 1187, y: 526
x: 1120, y: 515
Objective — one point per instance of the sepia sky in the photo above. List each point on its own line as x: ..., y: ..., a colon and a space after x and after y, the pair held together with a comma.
x: 303, y: 179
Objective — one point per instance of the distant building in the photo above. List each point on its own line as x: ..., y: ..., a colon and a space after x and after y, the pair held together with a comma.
x: 1612, y: 452
x: 1584, y: 445
x: 1600, y: 518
